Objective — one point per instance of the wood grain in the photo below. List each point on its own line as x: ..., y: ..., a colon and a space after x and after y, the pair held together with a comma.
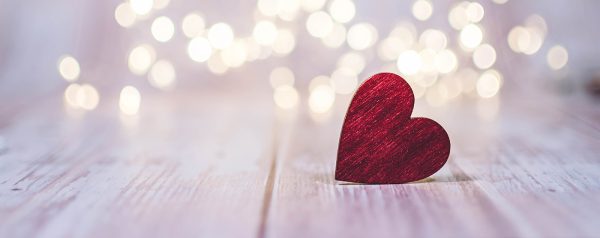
x: 181, y: 169
x: 218, y: 160
x: 380, y: 143
x: 191, y: 165
x: 530, y: 171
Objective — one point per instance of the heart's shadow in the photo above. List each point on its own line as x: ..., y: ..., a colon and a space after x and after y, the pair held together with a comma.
x: 435, y: 179
x: 445, y: 179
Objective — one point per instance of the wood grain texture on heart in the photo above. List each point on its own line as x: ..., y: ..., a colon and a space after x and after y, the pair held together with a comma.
x: 380, y: 143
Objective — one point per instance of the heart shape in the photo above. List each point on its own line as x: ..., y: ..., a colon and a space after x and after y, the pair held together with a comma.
x: 381, y: 144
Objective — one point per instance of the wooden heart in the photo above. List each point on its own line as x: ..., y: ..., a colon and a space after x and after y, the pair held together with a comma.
x: 381, y: 144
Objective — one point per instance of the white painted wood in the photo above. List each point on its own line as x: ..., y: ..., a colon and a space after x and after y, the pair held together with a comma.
x: 180, y: 169
x: 531, y: 171
x: 232, y: 168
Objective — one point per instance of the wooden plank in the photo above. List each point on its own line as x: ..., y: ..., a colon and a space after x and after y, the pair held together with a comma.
x: 532, y: 170
x: 189, y: 165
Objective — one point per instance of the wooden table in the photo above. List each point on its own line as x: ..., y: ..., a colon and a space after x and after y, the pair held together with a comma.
x: 228, y: 164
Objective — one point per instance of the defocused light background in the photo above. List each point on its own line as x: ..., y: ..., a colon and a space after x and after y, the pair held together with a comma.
x: 299, y: 52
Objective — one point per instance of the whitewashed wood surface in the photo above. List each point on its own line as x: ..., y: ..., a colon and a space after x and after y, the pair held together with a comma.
x: 215, y: 165
x: 179, y: 169
x: 214, y: 162
x: 531, y: 172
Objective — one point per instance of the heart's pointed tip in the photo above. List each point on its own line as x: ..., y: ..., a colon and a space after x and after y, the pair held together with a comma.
x: 345, y: 176
x: 349, y: 180
x: 348, y: 177
x: 378, y: 182
x: 339, y: 175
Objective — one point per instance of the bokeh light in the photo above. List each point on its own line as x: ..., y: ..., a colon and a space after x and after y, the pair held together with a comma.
x: 342, y: 11
x: 516, y: 35
x: 265, y: 33
x: 458, y: 17
x: 440, y: 65
x: 321, y: 99
x: 489, y: 84
x: 71, y: 95
x: 160, y: 4
x: 216, y: 66
x: 557, y: 57
x: 319, y: 24
x: 254, y: 51
x: 129, y: 100
x: 401, y: 38
x: 446, y: 61
x: 82, y: 96
x: 433, y: 39
x: 267, y: 7
x: 162, y: 75
x: 317, y: 81
x: 141, y: 7
x: 390, y: 48
x: 409, y: 63
x: 220, y: 35
x: 234, y: 55
x: 425, y: 80
x: 68, y: 67
x: 287, y: 10
x: 284, y: 43
x: 199, y: 49
x: 281, y: 76
x: 406, y: 31
x: 352, y: 61
x: 532, y: 42
x: 471, y: 36
x: 528, y: 39
x: 484, y: 56
x: 312, y: 5
x: 88, y: 97
x: 193, y: 25
x: 336, y: 37
x: 422, y: 9
x: 286, y: 97
x: 538, y: 23
x: 361, y: 36
x: 162, y: 29
x: 141, y: 58
x: 428, y: 58
x: 474, y: 12
x: 124, y: 15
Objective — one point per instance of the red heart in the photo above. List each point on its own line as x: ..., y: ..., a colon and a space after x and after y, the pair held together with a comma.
x: 381, y: 143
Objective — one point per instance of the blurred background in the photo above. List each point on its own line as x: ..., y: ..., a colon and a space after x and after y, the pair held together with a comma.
x: 163, y: 118
x: 296, y: 52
